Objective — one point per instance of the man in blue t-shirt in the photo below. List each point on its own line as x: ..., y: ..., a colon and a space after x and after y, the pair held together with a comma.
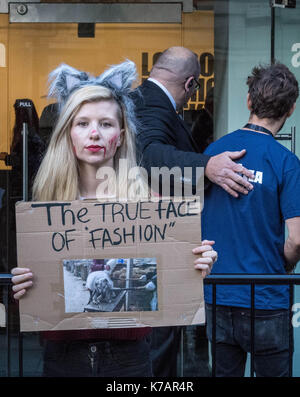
x: 249, y: 231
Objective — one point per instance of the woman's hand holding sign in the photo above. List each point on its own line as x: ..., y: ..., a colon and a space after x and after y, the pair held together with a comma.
x: 208, y: 257
x: 22, y: 279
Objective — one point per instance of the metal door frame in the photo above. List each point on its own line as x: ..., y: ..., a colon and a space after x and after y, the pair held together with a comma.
x: 155, y: 11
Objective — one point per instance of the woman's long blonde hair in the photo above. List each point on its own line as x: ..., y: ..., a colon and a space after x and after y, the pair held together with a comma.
x: 58, y: 175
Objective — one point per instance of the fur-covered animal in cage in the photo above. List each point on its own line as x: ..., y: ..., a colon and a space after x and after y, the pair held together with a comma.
x: 100, y: 285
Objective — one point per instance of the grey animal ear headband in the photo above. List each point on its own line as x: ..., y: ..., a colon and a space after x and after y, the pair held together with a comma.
x: 118, y: 78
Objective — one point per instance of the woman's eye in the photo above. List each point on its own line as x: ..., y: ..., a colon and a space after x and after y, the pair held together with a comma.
x: 105, y: 124
x: 82, y: 123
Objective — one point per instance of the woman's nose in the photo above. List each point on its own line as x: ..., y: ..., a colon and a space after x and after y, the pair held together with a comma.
x: 94, y: 132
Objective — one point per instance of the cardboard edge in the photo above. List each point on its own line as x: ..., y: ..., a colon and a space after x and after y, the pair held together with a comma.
x: 199, y: 317
x: 2, y: 315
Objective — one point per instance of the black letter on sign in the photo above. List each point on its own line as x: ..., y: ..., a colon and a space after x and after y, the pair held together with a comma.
x: 48, y: 206
x: 62, y: 242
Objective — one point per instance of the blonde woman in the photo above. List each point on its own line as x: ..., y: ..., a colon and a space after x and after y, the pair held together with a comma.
x: 95, y: 130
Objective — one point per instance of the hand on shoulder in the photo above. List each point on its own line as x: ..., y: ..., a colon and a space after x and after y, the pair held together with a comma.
x: 223, y: 171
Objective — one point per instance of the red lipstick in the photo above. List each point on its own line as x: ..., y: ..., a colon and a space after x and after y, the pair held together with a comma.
x: 95, y: 148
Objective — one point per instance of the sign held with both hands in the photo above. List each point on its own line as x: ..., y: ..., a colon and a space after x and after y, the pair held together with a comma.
x: 147, y: 276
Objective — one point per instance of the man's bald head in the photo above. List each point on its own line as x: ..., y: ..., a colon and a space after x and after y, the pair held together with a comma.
x: 176, y: 64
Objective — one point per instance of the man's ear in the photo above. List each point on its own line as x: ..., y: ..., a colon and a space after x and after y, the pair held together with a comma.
x: 189, y: 83
x: 249, y: 102
x: 291, y: 111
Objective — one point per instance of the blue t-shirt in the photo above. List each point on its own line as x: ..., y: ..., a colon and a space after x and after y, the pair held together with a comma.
x: 249, y: 231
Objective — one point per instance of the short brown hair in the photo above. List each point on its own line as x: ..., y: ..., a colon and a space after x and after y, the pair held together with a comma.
x: 273, y: 90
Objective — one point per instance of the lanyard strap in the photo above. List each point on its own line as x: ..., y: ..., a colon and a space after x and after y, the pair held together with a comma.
x: 257, y: 128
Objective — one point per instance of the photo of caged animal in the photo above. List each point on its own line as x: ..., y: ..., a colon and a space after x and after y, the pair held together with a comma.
x: 100, y: 285
x: 108, y: 285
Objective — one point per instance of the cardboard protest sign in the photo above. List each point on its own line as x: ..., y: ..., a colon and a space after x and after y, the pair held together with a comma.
x: 110, y: 265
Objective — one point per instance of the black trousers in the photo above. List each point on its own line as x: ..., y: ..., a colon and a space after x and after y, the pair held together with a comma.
x: 107, y: 358
x: 165, y: 342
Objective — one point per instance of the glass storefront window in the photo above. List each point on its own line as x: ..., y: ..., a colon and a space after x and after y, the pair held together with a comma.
x: 229, y: 37
x: 32, y: 50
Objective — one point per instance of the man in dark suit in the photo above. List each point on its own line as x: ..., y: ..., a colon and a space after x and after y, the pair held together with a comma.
x: 164, y: 139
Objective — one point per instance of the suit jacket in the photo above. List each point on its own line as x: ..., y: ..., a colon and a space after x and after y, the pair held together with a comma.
x: 163, y: 138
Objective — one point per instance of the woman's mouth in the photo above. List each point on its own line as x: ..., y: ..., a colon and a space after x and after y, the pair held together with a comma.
x: 95, y: 148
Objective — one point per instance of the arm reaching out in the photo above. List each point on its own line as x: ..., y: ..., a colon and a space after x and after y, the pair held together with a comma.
x: 222, y: 170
